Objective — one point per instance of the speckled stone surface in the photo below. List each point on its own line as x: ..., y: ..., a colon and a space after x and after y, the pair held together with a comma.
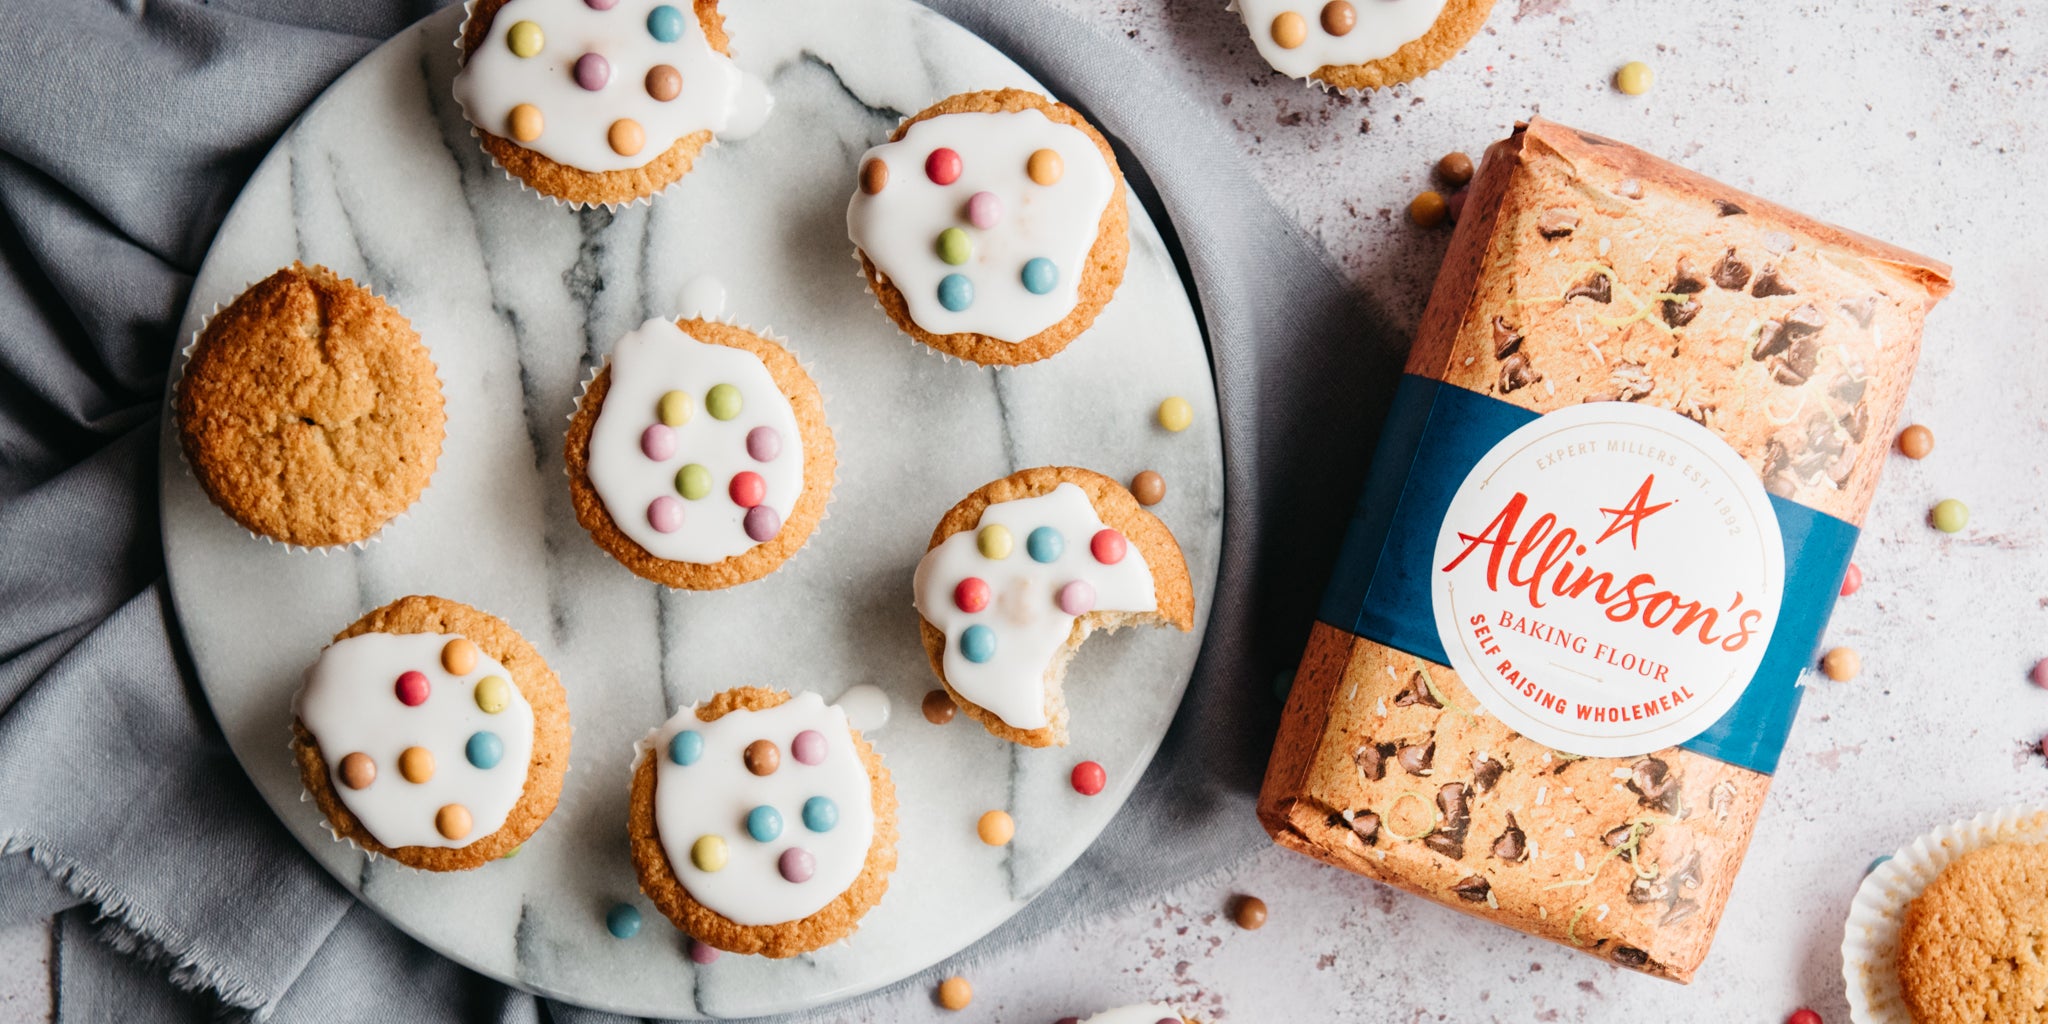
x: 1905, y: 119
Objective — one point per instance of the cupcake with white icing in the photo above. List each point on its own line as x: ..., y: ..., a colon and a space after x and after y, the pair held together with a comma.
x: 1360, y: 44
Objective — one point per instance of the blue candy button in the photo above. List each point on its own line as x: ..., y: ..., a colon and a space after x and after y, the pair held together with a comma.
x: 1045, y: 544
x: 1040, y: 276
x: 686, y: 747
x: 956, y: 292
x: 764, y: 823
x: 484, y: 750
x: 820, y: 814
x: 623, y: 921
x: 978, y: 643
x: 665, y: 23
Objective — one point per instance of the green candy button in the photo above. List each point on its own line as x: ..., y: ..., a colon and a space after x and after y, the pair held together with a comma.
x: 954, y: 246
x: 722, y: 402
x: 694, y: 481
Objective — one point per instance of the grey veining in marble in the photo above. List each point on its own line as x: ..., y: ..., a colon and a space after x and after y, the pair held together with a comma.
x: 518, y: 299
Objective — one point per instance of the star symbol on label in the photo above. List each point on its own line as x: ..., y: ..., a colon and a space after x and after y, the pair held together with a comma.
x: 1630, y: 516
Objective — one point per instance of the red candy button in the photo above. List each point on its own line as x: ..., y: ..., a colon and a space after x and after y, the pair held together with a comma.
x: 413, y: 689
x: 1803, y: 1016
x: 972, y: 594
x: 1089, y: 778
x: 1108, y: 547
x: 943, y: 166
x: 1852, y: 581
x: 748, y: 489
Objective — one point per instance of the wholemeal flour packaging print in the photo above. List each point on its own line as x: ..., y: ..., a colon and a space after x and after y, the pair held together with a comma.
x: 1617, y: 491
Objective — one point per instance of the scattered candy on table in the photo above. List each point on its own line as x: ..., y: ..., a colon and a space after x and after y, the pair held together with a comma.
x: 1455, y: 169
x: 2040, y: 674
x: 955, y: 993
x: 1916, y: 441
x: 1454, y: 207
x: 1877, y: 863
x: 623, y: 921
x: 1803, y: 1016
x: 938, y: 707
x: 1852, y: 581
x: 1841, y: 664
x: 1175, y: 414
x: 996, y: 828
x: 1250, y: 913
x: 1428, y: 210
x: 1950, y: 516
x: 702, y: 954
x: 1634, y: 78
x: 1148, y: 487
x: 1089, y: 778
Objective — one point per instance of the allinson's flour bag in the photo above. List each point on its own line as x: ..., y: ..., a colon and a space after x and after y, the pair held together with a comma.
x: 1613, y: 505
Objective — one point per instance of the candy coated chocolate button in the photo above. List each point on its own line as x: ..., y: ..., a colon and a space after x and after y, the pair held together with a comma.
x: 797, y: 864
x: 452, y: 821
x: 665, y: 24
x: 600, y: 5
x: 1045, y: 167
x: 492, y: 694
x: 1175, y: 414
x: 1149, y: 488
x: 723, y: 401
x: 664, y: 82
x: 702, y: 954
x: 658, y: 442
x: 747, y: 489
x: 626, y: 136
x: 993, y: 542
x: 971, y: 595
x: 955, y: 247
x: 1455, y: 169
x: 684, y: 748
x: 1803, y: 1016
x: 1045, y: 544
x: 1916, y: 442
x: 458, y: 656
x: 1339, y: 17
x: 525, y: 38
x: 413, y: 689
x: 1108, y: 546
x: 762, y: 524
x: 1428, y: 210
x: 1250, y: 913
x: 693, y: 482
x: 956, y: 292
x: 593, y: 72
x: 484, y: 750
x: 1852, y: 581
x: 1040, y: 275
x: 984, y: 210
x: 708, y: 853
x: 2040, y: 674
x: 955, y: 993
x: 808, y: 747
x: 623, y: 920
x: 1634, y: 78
x: 764, y: 444
x: 874, y: 177
x: 943, y: 166
x: 820, y: 814
x: 1077, y: 598
x: 996, y: 828
x: 978, y: 644
x: 1841, y: 664
x: 764, y: 823
x: 1089, y: 778
x: 675, y: 408
x: 1950, y: 516
x: 1290, y: 30
x: 358, y: 770
x: 665, y: 514
x: 525, y: 122
x: 416, y: 764
x: 762, y: 758
x: 938, y: 706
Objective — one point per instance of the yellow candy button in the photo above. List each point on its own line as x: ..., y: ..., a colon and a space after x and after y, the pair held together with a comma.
x: 492, y: 694
x: 524, y: 38
x: 708, y: 853
x: 675, y: 408
x: 993, y: 542
x: 1175, y: 414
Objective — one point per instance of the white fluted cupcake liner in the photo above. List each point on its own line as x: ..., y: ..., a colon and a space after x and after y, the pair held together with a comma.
x: 1870, y: 941
x: 824, y: 401
x: 178, y: 379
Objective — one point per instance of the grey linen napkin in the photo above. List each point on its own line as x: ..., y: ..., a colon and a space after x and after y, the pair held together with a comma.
x: 126, y: 130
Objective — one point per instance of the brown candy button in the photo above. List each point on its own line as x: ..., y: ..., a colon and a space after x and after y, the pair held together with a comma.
x: 1841, y: 664
x: 1916, y: 441
x: 358, y: 771
x: 1250, y: 913
x: 874, y: 177
x: 1428, y: 210
x: 664, y: 83
x: 1455, y: 169
x: 1339, y: 17
x: 459, y: 657
x: 938, y: 707
x: 762, y: 758
x: 1149, y: 488
x: 1290, y: 30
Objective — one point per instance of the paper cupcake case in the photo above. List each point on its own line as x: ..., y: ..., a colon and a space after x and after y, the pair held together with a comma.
x: 178, y: 379
x: 1870, y: 941
x: 824, y: 401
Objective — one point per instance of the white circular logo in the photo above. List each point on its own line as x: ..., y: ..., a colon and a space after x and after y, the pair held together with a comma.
x: 1607, y: 579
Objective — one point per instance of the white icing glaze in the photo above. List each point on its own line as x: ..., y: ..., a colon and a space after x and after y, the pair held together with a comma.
x: 350, y: 705
x: 1383, y: 26
x: 898, y: 227
x: 866, y: 706
x: 656, y: 359
x: 714, y: 794
x: 1148, y: 1013
x: 1030, y: 628
x: 716, y: 95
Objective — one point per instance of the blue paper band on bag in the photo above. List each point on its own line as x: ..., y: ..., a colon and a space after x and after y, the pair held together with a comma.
x: 1435, y: 434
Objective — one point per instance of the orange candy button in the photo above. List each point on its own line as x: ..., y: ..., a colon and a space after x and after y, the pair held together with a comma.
x: 459, y: 657
x: 1045, y: 167
x: 1290, y: 30
x: 416, y: 764
x: 626, y: 136
x: 525, y: 122
x: 996, y: 828
x: 453, y: 821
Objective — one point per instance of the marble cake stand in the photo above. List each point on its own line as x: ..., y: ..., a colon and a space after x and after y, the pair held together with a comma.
x: 518, y: 298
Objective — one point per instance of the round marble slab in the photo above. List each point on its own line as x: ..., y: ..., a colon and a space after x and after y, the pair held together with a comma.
x: 519, y: 298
